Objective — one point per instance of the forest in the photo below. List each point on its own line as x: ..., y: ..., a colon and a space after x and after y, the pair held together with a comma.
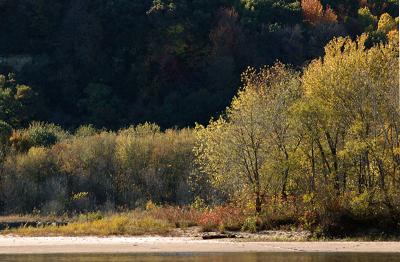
x: 171, y: 62
x: 248, y: 114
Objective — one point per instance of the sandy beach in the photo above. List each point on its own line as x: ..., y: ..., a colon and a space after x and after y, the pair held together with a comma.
x: 54, y: 245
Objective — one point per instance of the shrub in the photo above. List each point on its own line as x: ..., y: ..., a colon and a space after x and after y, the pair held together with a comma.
x: 150, y: 206
x: 359, y: 204
x: 224, y: 217
x: 30, y: 180
x: 5, y: 133
x: 85, y: 131
x: 37, y: 135
x: 153, y: 165
x: 198, y: 204
x: 90, y: 216
x: 181, y: 217
x: 102, y: 169
x: 250, y: 224
x: 89, y: 163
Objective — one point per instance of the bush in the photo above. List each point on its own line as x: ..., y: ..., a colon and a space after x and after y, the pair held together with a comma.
x: 90, y: 217
x: 100, y: 170
x: 153, y: 165
x: 89, y: 163
x: 5, y: 133
x: 85, y: 131
x: 222, y: 218
x: 37, y: 135
x: 250, y: 224
x: 181, y: 217
x: 32, y: 179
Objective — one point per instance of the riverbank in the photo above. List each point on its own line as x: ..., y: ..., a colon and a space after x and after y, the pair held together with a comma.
x: 154, y: 244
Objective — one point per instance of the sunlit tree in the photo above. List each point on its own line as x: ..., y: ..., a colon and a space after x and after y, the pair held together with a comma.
x: 235, y: 149
x: 350, y: 112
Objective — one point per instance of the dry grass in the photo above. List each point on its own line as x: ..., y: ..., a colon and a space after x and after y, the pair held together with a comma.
x: 31, y: 218
x: 180, y: 217
x: 117, y: 224
x: 154, y: 220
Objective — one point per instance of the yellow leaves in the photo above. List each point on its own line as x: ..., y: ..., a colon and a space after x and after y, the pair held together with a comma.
x: 344, y: 47
x: 349, y: 73
x: 393, y: 38
x: 386, y: 23
x: 349, y: 112
x: 354, y: 148
x: 38, y: 153
x: 237, y: 151
x: 38, y: 163
x: 359, y: 203
x: 23, y: 92
x: 396, y: 151
x: 324, y: 77
x: 307, y: 198
x: 150, y: 206
x: 80, y: 196
x: 248, y: 4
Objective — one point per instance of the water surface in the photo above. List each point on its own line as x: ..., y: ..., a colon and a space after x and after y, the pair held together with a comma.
x: 212, y: 257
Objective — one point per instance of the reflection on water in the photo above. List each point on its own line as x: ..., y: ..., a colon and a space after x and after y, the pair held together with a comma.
x: 190, y: 257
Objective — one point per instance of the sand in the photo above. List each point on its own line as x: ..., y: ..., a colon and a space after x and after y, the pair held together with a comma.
x: 53, y: 245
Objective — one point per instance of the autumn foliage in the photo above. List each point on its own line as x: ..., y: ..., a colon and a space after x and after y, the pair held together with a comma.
x: 314, y: 12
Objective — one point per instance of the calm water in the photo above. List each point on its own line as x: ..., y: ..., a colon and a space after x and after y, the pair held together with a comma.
x: 242, y: 257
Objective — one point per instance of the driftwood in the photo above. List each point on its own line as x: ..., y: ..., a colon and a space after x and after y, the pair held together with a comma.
x: 218, y: 236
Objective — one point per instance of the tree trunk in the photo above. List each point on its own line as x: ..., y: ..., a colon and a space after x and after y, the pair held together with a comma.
x: 283, y: 193
x: 258, y: 203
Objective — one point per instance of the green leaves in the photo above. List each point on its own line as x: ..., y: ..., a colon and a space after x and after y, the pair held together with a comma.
x: 17, y: 102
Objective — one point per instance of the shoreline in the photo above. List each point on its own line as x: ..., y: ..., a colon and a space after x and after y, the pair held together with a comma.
x: 154, y: 244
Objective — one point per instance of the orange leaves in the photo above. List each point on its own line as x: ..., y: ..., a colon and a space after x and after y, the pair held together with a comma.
x: 329, y: 15
x: 314, y: 12
x: 222, y: 217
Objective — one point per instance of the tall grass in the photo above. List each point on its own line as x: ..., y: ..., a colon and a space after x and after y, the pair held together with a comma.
x: 118, y: 224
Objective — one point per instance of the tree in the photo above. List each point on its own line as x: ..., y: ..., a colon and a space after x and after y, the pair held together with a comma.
x: 17, y: 102
x: 350, y: 114
x: 314, y: 12
x: 367, y: 20
x: 234, y: 150
x: 5, y: 134
x: 386, y: 23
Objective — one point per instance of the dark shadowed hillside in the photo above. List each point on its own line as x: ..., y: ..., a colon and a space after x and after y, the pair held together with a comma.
x: 173, y: 62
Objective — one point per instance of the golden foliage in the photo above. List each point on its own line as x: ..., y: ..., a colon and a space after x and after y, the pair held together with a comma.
x: 236, y: 150
x: 386, y: 23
